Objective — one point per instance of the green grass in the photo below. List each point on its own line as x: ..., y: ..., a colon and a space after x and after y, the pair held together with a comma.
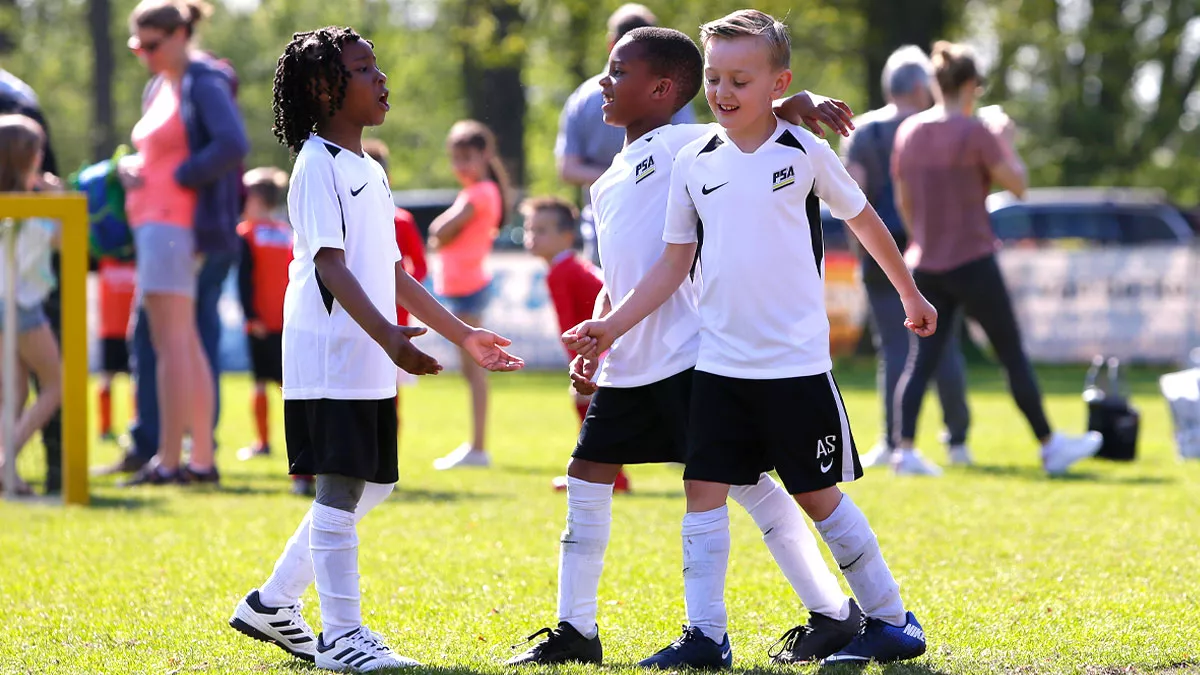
x: 1009, y: 571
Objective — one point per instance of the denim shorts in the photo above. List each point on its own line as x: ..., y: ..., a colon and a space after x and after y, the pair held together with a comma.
x: 166, y: 259
x: 28, y: 318
x: 472, y: 305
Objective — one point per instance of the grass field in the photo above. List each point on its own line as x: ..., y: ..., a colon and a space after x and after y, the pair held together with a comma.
x: 1009, y: 571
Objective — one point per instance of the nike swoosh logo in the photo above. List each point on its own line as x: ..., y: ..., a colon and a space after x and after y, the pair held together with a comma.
x: 725, y: 654
x: 846, y: 567
x: 707, y: 190
x: 354, y: 193
x: 826, y: 467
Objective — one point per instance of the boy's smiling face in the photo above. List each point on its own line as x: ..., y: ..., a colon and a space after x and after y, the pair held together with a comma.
x: 366, y: 101
x: 740, y: 83
x: 630, y: 88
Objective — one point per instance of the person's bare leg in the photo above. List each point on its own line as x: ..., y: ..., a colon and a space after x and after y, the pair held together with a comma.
x: 38, y: 351
x: 172, y: 330
x: 203, y: 400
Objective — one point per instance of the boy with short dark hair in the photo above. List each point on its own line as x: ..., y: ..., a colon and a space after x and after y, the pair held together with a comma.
x: 552, y: 234
x: 639, y: 413
x: 763, y: 394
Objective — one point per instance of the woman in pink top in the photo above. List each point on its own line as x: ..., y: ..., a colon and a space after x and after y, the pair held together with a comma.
x: 944, y: 162
x: 187, y: 140
x: 463, y: 237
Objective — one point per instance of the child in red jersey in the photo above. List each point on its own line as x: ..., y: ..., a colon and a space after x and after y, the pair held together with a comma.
x: 116, y: 285
x: 262, y: 282
x: 552, y: 234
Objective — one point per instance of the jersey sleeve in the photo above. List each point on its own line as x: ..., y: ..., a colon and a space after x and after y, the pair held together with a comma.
x: 316, y: 211
x: 681, y: 210
x: 834, y: 185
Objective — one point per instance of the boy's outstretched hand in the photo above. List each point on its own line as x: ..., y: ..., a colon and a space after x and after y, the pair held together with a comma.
x: 583, y: 370
x: 485, y: 347
x: 590, y: 339
x: 400, y: 349
x: 922, y: 317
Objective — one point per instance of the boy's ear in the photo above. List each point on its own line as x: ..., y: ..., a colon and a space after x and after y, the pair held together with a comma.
x: 665, y: 88
x: 783, y: 81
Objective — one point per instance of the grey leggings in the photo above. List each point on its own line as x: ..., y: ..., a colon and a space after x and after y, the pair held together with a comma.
x: 892, y: 342
x: 339, y: 492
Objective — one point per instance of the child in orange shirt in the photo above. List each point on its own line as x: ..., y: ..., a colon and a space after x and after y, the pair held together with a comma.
x: 262, y: 282
x: 117, y: 283
x: 552, y: 234
x: 463, y: 236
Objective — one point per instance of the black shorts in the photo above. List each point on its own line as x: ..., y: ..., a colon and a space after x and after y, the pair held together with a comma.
x: 266, y: 357
x: 637, y: 425
x: 796, y: 426
x: 346, y: 438
x: 114, y: 355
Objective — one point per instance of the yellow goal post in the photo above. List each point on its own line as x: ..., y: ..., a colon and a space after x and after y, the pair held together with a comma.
x: 71, y: 210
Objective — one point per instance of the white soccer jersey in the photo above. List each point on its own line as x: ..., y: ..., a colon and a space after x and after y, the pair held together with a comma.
x: 758, y: 217
x: 630, y: 204
x: 340, y: 200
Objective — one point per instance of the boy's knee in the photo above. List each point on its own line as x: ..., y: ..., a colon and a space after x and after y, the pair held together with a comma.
x: 339, y: 492
x: 820, y: 504
x: 704, y: 496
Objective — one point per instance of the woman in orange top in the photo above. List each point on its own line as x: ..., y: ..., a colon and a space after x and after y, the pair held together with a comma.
x: 463, y: 237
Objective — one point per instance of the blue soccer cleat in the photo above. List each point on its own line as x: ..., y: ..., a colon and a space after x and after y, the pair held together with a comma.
x: 693, y: 649
x: 882, y: 642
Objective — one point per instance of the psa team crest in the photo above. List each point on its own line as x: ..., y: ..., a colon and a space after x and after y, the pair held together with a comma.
x: 643, y: 170
x: 783, y: 178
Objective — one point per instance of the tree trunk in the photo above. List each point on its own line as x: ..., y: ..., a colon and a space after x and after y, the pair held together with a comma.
x: 492, y: 78
x: 892, y: 24
x: 103, y: 134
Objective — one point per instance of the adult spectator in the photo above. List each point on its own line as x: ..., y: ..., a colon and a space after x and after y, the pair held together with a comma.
x: 184, y: 202
x: 585, y: 146
x: 945, y: 161
x: 867, y: 153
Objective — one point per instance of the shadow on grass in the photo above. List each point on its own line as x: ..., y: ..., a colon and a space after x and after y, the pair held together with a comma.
x: 411, y: 495
x: 1037, y: 475
x: 126, y: 502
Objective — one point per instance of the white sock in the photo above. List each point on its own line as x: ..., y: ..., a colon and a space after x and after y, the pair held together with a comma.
x: 581, y: 552
x: 856, y: 550
x: 793, y: 546
x: 705, y: 560
x: 334, y: 545
x: 294, y: 570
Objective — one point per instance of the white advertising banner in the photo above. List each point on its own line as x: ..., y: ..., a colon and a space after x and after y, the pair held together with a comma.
x: 1138, y: 304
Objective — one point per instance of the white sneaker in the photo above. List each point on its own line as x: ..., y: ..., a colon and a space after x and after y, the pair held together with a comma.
x: 1061, y: 451
x: 880, y: 455
x: 282, y: 626
x: 960, y: 455
x: 463, y: 455
x: 359, y: 651
x: 911, y: 463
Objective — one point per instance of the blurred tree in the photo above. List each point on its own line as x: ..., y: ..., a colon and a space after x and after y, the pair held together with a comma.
x: 104, y: 138
x: 891, y: 24
x: 1105, y: 92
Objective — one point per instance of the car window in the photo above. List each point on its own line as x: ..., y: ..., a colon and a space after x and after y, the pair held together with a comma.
x: 1012, y: 224
x: 1144, y: 226
x: 1084, y: 224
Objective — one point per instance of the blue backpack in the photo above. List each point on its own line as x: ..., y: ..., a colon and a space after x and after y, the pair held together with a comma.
x: 109, y: 235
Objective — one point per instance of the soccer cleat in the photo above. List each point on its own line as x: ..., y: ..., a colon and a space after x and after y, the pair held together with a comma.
x: 463, y: 455
x: 820, y: 637
x: 1061, y: 451
x: 152, y: 474
x: 880, y: 455
x: 911, y: 463
x: 960, y: 455
x: 562, y: 645
x: 251, y: 451
x: 692, y: 649
x: 191, y: 476
x: 359, y: 651
x: 283, y: 627
x: 882, y: 642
